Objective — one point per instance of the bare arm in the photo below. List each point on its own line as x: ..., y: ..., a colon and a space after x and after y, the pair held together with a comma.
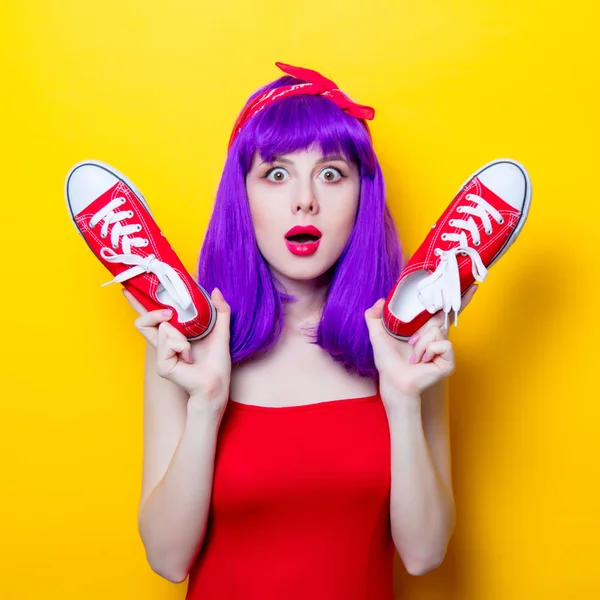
x: 413, y: 382
x: 186, y: 388
x: 422, y: 503
x: 179, y: 450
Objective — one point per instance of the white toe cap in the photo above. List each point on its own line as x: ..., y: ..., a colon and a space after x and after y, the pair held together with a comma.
x: 85, y: 183
x: 508, y: 180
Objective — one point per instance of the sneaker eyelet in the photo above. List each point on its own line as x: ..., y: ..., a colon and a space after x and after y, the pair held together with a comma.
x: 476, y: 243
x: 501, y: 221
x: 467, y: 196
x: 489, y: 232
x: 129, y: 214
x: 437, y: 251
x: 102, y: 235
x: 459, y: 209
x: 451, y: 222
x: 123, y: 200
x: 139, y: 228
x: 145, y: 242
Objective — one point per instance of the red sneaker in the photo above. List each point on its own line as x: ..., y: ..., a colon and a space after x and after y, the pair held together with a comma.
x: 460, y: 249
x: 114, y: 219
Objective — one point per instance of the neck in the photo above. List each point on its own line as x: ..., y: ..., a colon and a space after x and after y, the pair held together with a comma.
x: 309, y: 298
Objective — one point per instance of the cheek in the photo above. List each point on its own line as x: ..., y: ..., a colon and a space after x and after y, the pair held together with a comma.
x: 264, y: 220
x: 261, y: 225
x: 345, y: 215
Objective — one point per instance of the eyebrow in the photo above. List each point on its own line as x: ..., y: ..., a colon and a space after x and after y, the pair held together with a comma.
x: 332, y: 157
x: 325, y: 159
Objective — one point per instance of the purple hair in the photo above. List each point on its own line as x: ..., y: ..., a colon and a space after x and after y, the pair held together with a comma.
x: 369, y: 265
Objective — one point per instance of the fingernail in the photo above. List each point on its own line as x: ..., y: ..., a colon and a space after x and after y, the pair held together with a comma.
x: 167, y: 313
x: 426, y: 357
x: 413, y: 359
x: 413, y: 339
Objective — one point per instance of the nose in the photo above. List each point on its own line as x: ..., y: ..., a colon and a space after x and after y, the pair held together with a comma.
x: 305, y: 200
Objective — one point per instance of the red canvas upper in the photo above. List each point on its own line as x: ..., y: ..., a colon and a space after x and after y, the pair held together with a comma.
x: 144, y: 285
x: 425, y: 258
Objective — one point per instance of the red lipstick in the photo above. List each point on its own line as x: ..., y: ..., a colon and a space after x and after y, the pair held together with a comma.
x: 303, y: 240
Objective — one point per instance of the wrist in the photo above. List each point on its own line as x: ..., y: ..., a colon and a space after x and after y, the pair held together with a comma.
x: 401, y: 402
x: 201, y: 431
x: 209, y: 412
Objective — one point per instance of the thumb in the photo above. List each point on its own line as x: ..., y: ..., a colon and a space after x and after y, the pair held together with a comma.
x: 468, y: 297
x: 374, y: 313
x: 373, y: 317
x: 223, y: 309
x: 137, y: 306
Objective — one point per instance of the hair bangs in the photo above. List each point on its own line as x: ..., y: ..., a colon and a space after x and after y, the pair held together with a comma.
x: 303, y: 122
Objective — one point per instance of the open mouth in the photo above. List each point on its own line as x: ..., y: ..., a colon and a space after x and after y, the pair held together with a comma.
x: 303, y: 240
x: 303, y: 234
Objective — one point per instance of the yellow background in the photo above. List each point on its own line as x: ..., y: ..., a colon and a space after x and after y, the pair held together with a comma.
x: 153, y: 88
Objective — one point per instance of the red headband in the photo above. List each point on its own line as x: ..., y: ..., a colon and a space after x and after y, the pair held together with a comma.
x: 316, y: 85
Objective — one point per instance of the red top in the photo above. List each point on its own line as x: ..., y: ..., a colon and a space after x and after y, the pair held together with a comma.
x: 300, y: 506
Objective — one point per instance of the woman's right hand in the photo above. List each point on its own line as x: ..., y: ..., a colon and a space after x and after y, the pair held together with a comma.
x: 202, y: 367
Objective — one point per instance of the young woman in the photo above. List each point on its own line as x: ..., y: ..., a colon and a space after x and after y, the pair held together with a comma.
x: 289, y: 452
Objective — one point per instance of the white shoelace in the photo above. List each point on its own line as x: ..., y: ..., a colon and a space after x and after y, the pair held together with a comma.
x: 441, y: 289
x: 121, y: 234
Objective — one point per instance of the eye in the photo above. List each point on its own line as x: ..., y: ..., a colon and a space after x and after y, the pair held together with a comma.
x: 331, y: 174
x: 276, y: 174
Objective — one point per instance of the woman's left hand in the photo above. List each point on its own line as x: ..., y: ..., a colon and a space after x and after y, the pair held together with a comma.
x: 411, y: 367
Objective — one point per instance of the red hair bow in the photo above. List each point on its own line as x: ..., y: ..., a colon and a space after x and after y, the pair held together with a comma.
x: 316, y: 85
